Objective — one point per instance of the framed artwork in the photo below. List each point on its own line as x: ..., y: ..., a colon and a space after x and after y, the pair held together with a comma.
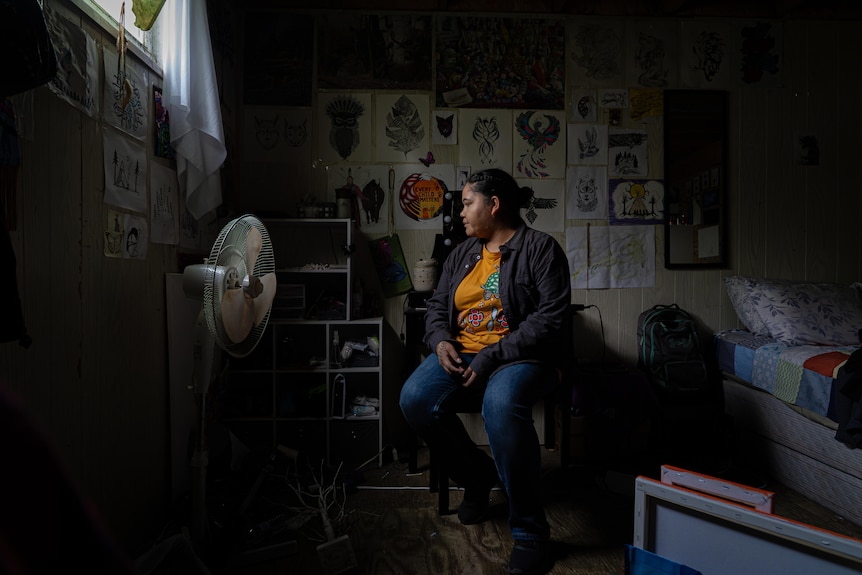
x: 535, y: 78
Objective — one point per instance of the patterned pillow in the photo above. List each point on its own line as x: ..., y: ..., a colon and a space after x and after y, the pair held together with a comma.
x: 809, y: 313
x: 739, y: 291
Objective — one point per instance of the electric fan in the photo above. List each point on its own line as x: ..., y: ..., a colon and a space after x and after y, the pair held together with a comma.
x: 236, y: 285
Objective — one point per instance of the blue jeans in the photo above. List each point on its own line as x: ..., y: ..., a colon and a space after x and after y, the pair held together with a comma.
x: 430, y: 401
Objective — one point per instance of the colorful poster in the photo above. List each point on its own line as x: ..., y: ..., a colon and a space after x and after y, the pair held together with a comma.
x: 391, y: 266
x: 491, y: 62
x: 419, y: 195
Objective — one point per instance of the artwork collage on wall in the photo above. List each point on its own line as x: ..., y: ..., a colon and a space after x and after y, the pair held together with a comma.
x: 570, y: 107
x: 140, y: 196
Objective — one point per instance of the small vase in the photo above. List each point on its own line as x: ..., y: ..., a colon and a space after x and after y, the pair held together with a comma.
x: 425, y: 275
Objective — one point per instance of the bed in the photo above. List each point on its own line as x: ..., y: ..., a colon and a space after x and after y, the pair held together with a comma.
x: 779, y: 381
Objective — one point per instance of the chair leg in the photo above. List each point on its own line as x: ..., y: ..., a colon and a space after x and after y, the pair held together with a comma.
x: 438, y: 477
x: 442, y: 489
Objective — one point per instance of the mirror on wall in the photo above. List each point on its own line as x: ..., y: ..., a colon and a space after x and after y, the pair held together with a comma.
x: 695, y: 171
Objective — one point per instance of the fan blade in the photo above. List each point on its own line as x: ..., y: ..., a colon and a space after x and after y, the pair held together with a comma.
x: 253, y: 245
x: 263, y: 302
x: 237, y: 314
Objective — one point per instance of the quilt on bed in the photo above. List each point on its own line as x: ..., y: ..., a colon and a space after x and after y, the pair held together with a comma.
x: 800, y: 375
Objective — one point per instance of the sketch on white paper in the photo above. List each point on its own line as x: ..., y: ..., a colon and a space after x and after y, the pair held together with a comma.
x: 164, y: 205
x: 539, y: 144
x: 419, y: 192
x: 546, y: 209
x: 653, y: 58
x: 125, y: 96
x: 613, y: 98
x: 587, y: 193
x: 705, y: 54
x: 596, y: 52
x: 584, y: 105
x: 485, y: 139
x: 276, y: 134
x: 444, y: 127
x: 125, y: 235
x: 612, y: 257
x: 125, y: 172
x: 636, y: 202
x: 627, y: 153
x: 344, y: 127
x: 136, y: 237
x: 77, y: 77
x: 369, y: 187
x: 587, y: 144
x: 402, y: 132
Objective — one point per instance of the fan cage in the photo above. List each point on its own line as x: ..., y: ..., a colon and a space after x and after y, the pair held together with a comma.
x: 229, y: 251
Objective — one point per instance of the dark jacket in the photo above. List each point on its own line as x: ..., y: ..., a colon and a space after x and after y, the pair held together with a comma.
x: 535, y: 293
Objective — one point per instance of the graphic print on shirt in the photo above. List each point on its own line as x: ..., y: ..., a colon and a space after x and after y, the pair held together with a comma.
x: 487, y: 315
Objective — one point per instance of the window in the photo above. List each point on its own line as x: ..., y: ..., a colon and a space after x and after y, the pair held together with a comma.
x: 106, y: 13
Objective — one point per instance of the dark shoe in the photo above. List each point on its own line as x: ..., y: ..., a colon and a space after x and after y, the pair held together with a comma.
x: 474, y: 507
x: 530, y: 558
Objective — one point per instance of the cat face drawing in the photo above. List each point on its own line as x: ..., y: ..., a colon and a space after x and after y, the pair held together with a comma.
x: 267, y: 132
x: 444, y: 125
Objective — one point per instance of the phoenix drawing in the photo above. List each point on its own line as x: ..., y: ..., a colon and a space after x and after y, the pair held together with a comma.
x: 539, y: 135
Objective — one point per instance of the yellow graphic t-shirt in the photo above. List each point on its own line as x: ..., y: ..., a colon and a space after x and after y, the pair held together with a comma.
x: 481, y: 319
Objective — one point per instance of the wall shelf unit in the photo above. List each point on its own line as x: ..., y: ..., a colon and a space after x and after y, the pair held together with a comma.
x: 314, y: 383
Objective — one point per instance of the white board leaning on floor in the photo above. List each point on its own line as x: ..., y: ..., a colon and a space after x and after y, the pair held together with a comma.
x: 716, y: 536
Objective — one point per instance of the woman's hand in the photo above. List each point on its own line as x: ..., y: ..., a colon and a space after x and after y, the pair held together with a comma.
x: 449, y: 359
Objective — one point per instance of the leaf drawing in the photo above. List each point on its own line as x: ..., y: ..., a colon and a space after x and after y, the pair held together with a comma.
x: 404, y: 126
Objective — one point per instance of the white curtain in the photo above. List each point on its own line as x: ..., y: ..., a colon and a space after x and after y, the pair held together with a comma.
x: 191, y: 94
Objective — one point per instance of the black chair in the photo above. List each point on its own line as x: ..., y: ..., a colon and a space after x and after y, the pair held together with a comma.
x: 560, y: 396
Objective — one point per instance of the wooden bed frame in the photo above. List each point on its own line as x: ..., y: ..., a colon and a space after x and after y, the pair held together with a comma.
x: 795, y: 447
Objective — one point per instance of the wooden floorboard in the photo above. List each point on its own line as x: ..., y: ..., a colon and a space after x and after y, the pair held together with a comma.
x: 395, y: 527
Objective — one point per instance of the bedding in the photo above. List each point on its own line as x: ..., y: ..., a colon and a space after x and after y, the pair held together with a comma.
x: 799, y: 375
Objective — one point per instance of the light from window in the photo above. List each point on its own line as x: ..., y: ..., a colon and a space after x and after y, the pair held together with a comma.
x: 113, y: 7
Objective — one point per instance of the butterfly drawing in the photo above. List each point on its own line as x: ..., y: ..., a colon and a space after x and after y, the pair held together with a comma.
x: 428, y: 160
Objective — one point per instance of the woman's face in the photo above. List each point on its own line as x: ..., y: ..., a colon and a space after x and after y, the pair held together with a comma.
x: 477, y: 213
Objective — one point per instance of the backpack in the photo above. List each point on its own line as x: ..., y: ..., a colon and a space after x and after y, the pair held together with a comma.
x: 669, y: 350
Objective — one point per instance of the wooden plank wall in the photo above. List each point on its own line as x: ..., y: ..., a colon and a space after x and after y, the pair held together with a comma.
x: 96, y: 376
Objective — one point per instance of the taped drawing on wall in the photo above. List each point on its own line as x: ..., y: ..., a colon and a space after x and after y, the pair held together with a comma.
x: 539, y: 147
x: 602, y: 257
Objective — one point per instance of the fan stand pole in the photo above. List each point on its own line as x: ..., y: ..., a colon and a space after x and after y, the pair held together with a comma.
x: 205, y: 355
x: 199, y: 477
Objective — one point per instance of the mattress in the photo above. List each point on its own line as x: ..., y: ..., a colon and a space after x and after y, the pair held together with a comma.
x: 800, y: 376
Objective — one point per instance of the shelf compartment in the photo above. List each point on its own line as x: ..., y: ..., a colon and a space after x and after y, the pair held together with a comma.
x: 300, y: 395
x: 346, y: 387
x: 301, y: 346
